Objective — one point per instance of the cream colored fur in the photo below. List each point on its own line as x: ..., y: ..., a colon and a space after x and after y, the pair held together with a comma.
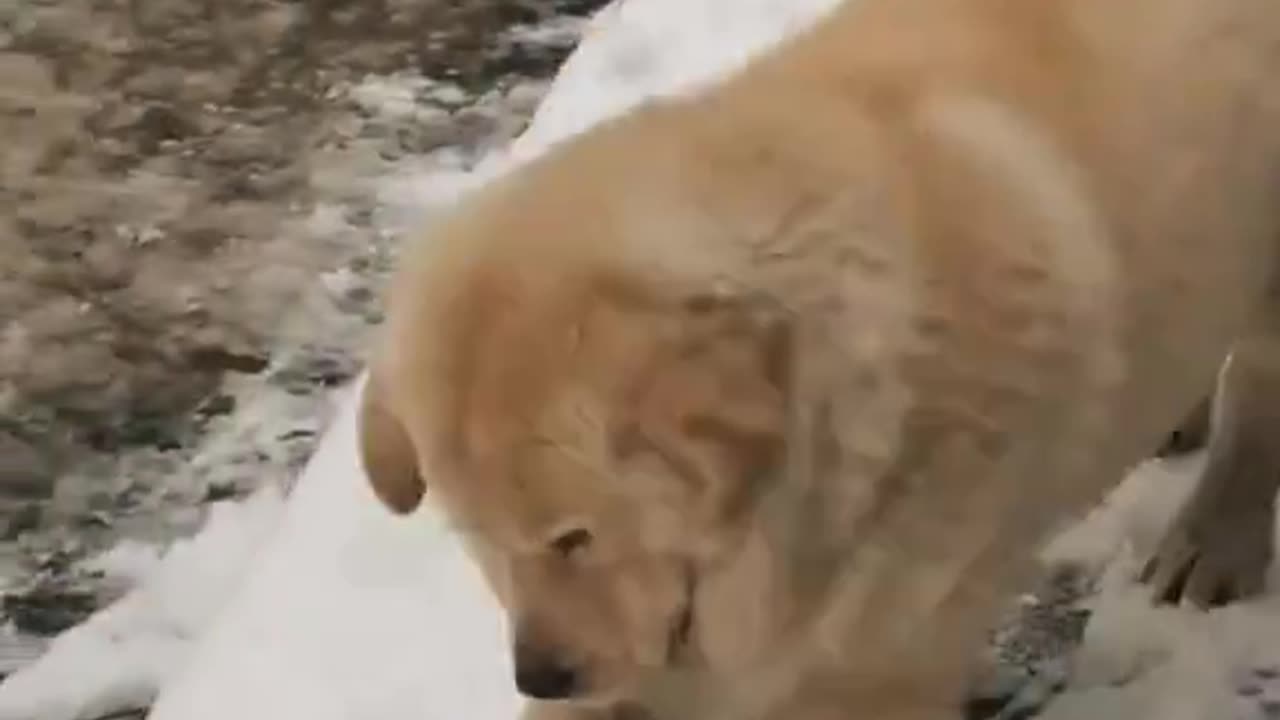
x: 756, y: 405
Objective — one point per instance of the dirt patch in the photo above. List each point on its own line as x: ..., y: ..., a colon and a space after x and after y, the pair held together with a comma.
x: 161, y: 142
x: 163, y: 241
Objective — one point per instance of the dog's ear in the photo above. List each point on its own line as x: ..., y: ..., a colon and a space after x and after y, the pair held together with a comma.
x: 716, y: 406
x: 386, y: 451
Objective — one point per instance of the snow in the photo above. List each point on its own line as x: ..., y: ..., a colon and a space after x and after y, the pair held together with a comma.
x: 1145, y: 663
x: 633, y: 50
x: 325, y: 607
x: 120, y: 656
x: 641, y: 49
x: 347, y: 614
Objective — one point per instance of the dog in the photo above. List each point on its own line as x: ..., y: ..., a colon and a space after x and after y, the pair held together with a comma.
x: 754, y: 404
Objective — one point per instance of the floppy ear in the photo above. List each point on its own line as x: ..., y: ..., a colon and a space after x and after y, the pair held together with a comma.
x: 386, y: 452
x: 715, y: 408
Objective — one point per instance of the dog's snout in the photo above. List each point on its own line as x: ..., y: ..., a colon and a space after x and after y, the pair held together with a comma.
x: 546, y: 682
x: 542, y: 676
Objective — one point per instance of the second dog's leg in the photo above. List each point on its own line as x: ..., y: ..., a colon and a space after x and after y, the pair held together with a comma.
x: 1192, y: 433
x: 1220, y: 545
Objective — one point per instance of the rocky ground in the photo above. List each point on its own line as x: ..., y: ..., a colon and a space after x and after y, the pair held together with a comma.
x: 185, y: 226
x: 188, y: 263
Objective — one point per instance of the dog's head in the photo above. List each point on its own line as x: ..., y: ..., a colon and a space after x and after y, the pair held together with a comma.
x: 593, y: 435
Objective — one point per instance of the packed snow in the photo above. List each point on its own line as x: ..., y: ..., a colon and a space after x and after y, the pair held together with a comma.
x: 322, y: 606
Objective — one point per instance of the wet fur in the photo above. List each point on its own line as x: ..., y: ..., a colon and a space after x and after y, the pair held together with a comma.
x: 820, y: 355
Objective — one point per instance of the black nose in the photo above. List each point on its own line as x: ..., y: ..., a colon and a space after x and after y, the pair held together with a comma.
x: 544, y: 678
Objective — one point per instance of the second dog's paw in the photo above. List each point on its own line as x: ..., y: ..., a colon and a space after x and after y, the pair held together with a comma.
x: 1211, y: 561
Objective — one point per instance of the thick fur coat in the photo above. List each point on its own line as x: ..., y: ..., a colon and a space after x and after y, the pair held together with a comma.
x: 756, y: 404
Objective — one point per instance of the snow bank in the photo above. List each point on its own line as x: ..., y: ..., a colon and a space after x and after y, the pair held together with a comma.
x: 349, y: 613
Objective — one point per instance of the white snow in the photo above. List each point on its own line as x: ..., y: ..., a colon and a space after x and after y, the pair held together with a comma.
x: 631, y: 51
x: 1138, y: 662
x: 349, y: 613
x: 123, y: 654
x: 325, y: 607
x: 641, y: 49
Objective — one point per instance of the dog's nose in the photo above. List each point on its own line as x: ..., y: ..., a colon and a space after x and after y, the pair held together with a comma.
x: 544, y: 678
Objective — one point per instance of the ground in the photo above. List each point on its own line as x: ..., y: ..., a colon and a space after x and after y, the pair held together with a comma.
x: 185, y: 226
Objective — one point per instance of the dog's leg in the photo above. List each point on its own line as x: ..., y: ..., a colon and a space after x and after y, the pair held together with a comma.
x: 1220, y: 545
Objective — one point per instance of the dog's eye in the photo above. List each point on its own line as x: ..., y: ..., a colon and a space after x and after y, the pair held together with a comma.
x: 571, y: 541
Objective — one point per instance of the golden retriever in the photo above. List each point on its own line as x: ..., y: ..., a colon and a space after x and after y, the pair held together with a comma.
x: 756, y: 404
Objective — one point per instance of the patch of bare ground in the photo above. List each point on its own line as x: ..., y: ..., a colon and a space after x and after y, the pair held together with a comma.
x: 166, y: 172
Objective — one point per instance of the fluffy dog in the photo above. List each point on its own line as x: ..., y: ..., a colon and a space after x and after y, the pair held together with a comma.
x: 755, y: 404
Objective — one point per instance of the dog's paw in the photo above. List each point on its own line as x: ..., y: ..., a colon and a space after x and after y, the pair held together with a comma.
x: 1210, y: 558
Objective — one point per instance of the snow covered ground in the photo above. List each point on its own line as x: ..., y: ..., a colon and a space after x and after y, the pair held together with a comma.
x: 322, y: 606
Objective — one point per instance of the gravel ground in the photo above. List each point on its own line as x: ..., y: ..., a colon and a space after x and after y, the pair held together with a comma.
x: 185, y: 229
x: 188, y: 265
